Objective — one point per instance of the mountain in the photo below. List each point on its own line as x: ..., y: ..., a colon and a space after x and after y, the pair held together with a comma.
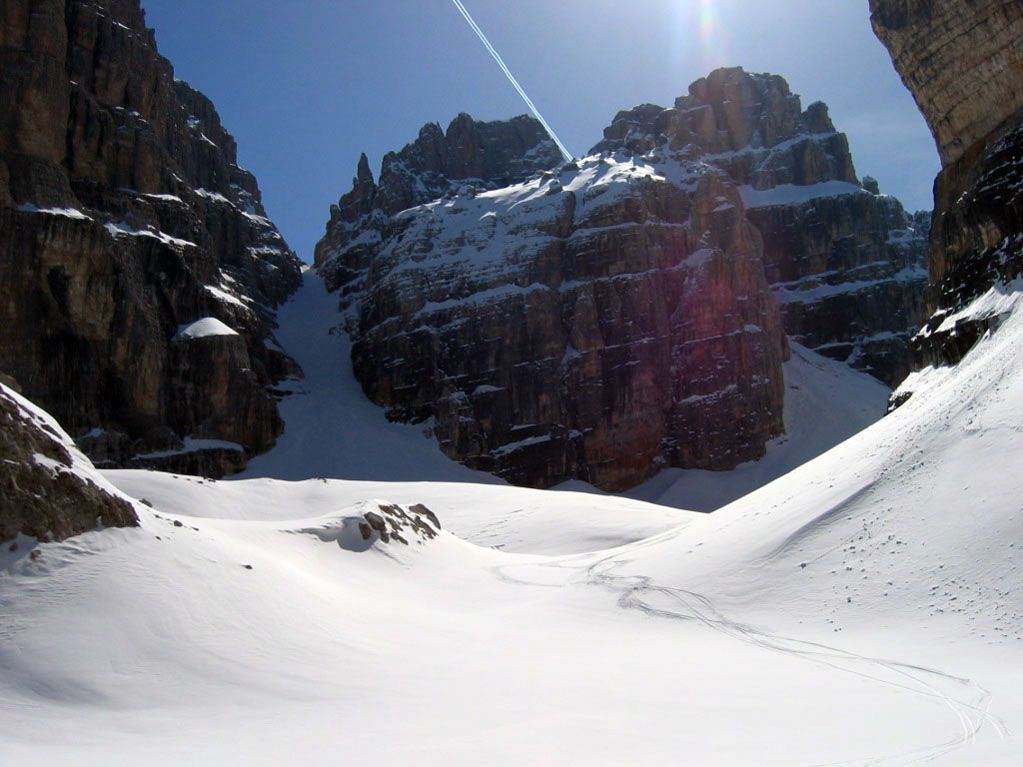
x: 963, y: 64
x: 140, y: 273
x: 846, y: 268
x: 619, y: 314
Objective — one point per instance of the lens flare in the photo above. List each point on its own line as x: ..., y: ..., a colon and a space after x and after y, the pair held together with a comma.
x: 712, y: 41
x: 708, y: 20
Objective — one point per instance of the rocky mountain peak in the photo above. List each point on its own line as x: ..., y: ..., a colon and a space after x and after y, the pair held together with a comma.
x: 627, y: 311
x: 750, y: 125
x: 487, y: 154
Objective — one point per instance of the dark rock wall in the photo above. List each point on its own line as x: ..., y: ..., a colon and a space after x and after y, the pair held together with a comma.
x: 608, y: 340
x: 963, y: 62
x: 596, y: 321
x: 124, y: 215
x: 847, y: 265
x: 621, y: 313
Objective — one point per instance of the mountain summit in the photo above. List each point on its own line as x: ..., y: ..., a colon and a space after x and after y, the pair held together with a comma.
x: 603, y: 319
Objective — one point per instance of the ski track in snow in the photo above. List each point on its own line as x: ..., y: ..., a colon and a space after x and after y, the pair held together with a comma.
x: 968, y: 701
x: 971, y: 713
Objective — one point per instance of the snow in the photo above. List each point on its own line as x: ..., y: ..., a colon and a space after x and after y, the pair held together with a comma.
x: 124, y: 230
x: 250, y: 632
x: 80, y: 465
x: 194, y: 445
x: 493, y: 295
x: 862, y: 609
x: 826, y: 402
x: 72, y: 213
x: 999, y: 301
x: 213, y: 196
x: 224, y: 295
x: 204, y: 328
x: 331, y: 429
x: 164, y: 198
x: 791, y: 194
x: 787, y: 295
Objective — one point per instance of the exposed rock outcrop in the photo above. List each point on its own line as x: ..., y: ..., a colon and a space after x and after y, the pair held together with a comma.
x: 374, y: 523
x: 609, y: 317
x: 963, y: 62
x: 470, y: 154
x: 846, y: 264
x: 123, y: 217
x: 48, y: 490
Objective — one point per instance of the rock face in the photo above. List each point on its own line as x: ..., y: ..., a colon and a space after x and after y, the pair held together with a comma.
x: 588, y: 322
x: 49, y: 490
x: 485, y: 154
x: 845, y: 262
x: 124, y: 216
x: 613, y: 316
x: 963, y: 62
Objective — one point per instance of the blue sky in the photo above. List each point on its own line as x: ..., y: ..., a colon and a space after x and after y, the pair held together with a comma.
x: 306, y: 85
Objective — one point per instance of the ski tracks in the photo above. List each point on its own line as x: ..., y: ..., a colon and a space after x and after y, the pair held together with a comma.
x: 968, y: 701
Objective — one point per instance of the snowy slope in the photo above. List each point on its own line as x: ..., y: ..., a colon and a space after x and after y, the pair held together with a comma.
x: 511, y: 519
x: 826, y: 402
x: 862, y: 610
x: 332, y: 430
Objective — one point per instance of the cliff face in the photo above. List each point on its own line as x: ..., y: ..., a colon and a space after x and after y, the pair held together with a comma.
x: 615, y: 315
x: 595, y: 321
x: 963, y: 62
x: 845, y: 262
x: 48, y: 490
x: 125, y: 217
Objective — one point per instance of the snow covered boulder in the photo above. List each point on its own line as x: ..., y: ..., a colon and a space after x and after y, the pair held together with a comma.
x: 48, y: 489
x: 380, y: 522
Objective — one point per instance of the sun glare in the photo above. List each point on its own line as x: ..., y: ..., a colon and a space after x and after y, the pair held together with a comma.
x: 711, y: 41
